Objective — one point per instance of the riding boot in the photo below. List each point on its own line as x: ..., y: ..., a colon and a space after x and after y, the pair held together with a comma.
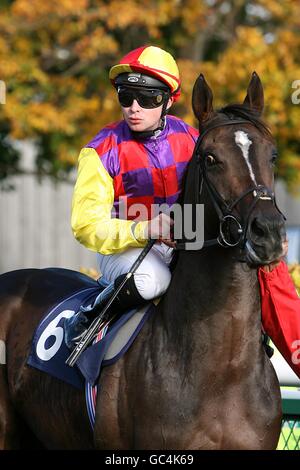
x: 128, y: 297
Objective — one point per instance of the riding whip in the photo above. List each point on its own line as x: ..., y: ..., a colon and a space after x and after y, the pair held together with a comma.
x: 93, y: 328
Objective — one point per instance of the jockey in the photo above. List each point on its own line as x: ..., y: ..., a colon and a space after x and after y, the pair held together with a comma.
x: 125, y: 173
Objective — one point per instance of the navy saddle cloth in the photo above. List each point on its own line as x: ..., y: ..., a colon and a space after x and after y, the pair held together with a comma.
x: 49, y: 351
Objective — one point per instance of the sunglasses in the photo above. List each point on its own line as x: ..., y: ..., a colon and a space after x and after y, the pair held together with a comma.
x: 146, y: 98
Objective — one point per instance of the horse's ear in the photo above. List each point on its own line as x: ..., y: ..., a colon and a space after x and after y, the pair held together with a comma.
x: 202, y: 100
x: 255, y: 94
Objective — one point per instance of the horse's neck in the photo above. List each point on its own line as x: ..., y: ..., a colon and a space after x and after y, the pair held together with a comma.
x: 213, y: 299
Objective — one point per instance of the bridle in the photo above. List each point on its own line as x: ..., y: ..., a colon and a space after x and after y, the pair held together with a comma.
x: 223, y: 209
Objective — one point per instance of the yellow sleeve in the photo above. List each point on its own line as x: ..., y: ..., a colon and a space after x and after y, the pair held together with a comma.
x: 92, y: 203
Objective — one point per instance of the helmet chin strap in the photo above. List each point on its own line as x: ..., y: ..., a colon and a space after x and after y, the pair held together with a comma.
x: 146, y: 134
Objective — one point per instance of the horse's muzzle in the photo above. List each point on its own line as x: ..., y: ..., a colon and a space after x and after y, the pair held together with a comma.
x: 265, y: 237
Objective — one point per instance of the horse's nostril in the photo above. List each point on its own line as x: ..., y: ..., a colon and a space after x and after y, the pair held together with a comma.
x: 257, y: 228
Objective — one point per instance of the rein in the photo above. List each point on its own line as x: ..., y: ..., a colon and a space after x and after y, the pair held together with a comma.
x: 222, y: 208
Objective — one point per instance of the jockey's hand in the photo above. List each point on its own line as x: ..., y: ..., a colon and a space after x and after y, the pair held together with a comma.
x: 160, y: 228
x: 274, y: 264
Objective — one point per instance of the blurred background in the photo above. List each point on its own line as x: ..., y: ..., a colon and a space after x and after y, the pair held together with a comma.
x: 55, y: 96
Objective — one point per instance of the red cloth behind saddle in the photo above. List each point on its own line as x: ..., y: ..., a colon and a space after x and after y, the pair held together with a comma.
x: 280, y: 306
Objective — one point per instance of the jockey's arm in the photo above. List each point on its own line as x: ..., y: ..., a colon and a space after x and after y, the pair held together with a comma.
x: 92, y: 203
x: 280, y: 307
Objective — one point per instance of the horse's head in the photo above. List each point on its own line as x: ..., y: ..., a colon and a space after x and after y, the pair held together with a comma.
x: 234, y: 158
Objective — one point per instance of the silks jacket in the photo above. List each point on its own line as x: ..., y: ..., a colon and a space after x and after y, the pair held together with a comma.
x: 119, y: 177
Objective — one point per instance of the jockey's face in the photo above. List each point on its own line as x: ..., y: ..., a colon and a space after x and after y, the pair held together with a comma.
x: 142, y: 119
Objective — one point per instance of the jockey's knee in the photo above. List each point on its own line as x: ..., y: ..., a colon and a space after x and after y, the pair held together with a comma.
x: 153, y: 283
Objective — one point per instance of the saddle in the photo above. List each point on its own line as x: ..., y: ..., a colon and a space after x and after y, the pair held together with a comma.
x: 49, y: 351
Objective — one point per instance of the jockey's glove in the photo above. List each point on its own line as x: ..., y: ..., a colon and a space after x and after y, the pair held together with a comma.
x: 160, y: 227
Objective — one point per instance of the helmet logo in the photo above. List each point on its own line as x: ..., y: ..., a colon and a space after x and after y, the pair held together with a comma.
x: 133, y: 78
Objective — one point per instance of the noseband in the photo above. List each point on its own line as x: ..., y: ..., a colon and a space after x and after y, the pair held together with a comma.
x: 223, y: 209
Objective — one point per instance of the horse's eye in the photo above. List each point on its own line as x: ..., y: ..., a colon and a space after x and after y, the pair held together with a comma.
x: 210, y: 160
x: 273, y: 158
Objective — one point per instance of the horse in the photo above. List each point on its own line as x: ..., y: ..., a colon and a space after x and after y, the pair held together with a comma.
x: 197, y: 376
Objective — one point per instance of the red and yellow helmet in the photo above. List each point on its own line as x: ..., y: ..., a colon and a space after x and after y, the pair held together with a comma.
x: 150, y: 61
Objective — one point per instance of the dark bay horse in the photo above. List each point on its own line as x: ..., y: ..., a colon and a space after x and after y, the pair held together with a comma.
x: 197, y: 376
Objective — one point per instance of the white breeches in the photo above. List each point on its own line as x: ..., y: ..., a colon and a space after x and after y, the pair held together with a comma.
x: 152, y: 277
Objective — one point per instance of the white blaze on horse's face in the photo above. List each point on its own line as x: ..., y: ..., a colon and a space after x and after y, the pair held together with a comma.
x: 242, y: 140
